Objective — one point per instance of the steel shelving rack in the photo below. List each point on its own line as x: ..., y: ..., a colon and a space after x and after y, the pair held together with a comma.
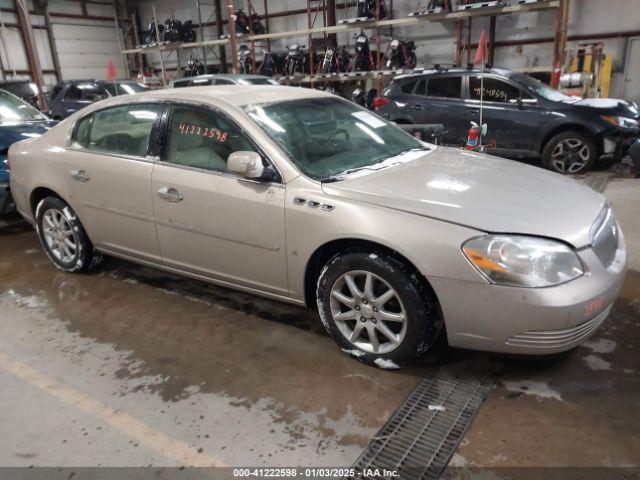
x: 462, y: 18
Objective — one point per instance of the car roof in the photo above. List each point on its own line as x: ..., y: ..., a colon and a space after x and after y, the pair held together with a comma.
x: 228, y: 76
x: 459, y: 70
x: 238, y: 95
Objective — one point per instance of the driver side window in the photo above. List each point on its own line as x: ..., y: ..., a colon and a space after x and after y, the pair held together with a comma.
x: 202, y: 138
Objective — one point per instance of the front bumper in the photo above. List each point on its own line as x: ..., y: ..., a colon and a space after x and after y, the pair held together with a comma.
x: 534, y: 321
x: 6, y: 200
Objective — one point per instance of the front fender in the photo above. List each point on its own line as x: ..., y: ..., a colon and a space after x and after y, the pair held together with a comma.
x: 432, y: 246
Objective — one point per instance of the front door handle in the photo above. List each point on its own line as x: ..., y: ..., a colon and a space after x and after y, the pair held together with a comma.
x: 170, y: 194
x: 418, y: 107
x: 80, y: 175
x: 473, y: 111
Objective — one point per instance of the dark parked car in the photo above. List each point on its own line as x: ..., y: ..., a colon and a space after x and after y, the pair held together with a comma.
x: 18, y: 121
x: 24, y: 89
x: 525, y: 118
x: 72, y: 95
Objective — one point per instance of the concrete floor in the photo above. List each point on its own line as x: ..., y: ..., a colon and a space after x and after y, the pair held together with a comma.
x: 132, y: 367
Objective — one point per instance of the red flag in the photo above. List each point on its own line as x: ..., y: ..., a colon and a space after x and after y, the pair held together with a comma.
x: 111, y: 71
x: 481, y: 53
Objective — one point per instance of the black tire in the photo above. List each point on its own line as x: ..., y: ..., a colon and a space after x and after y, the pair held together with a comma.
x: 83, y: 256
x: 573, y: 163
x: 416, y: 301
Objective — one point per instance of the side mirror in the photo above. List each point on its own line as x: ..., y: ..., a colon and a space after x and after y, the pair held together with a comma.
x: 246, y: 164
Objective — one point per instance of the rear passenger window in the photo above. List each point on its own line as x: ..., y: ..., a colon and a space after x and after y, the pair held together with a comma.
x: 122, y: 130
x: 495, y: 90
x: 420, y: 88
x: 446, y: 87
x: 408, y: 87
x: 201, y: 138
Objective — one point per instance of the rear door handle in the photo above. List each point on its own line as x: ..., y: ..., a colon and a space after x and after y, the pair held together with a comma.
x: 170, y: 194
x: 418, y: 107
x: 473, y: 111
x: 80, y: 175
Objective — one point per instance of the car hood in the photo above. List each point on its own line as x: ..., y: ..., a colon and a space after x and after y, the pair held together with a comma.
x: 14, y: 132
x: 480, y: 191
x: 608, y: 106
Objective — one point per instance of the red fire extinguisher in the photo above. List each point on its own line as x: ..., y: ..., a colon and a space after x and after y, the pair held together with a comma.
x: 474, y: 136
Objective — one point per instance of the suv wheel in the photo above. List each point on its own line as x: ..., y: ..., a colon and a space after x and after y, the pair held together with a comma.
x: 569, y: 152
x: 63, y: 237
x: 376, y: 309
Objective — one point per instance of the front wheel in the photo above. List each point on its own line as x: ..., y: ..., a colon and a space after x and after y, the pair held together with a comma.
x: 569, y: 153
x: 376, y: 308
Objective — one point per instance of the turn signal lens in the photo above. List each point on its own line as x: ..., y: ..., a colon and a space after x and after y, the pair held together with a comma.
x: 610, y: 119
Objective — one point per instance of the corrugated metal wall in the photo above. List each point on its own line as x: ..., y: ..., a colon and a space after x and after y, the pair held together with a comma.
x: 84, y: 45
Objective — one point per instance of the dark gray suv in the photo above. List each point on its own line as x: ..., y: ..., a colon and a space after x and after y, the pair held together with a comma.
x: 525, y: 118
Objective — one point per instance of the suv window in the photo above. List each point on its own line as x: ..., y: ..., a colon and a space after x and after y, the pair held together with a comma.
x: 181, y: 83
x: 55, y: 91
x: 495, y: 90
x: 123, y: 130
x: 84, y: 91
x: 407, y: 87
x: 202, y: 138
x: 223, y: 81
x: 444, y: 87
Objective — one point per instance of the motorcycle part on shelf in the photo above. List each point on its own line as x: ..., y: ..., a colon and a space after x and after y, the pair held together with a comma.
x: 400, y: 55
x: 297, y: 61
x: 244, y: 60
x: 363, y: 58
x: 172, y: 30
x: 188, y: 32
x: 248, y: 23
x: 434, y: 6
x: 268, y: 66
x: 150, y: 37
x: 367, y: 9
x: 364, y: 98
x: 194, y: 68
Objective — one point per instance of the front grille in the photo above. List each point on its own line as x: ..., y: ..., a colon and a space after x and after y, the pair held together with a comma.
x: 604, y: 237
x: 568, y: 337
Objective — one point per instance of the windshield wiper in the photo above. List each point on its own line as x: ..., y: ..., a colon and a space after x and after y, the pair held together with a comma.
x: 374, y: 166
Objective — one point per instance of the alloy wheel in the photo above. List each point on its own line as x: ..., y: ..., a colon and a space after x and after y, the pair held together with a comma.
x: 368, y: 312
x: 570, y: 155
x: 59, y: 235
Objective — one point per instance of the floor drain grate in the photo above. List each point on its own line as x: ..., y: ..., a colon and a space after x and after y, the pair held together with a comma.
x: 422, y: 435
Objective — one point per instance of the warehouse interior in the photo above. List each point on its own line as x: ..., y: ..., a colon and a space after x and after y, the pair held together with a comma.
x: 519, y: 122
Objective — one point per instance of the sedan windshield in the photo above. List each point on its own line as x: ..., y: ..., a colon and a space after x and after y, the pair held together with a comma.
x: 328, y: 137
x: 13, y: 110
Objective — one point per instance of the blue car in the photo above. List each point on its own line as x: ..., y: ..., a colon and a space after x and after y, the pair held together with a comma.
x: 18, y: 121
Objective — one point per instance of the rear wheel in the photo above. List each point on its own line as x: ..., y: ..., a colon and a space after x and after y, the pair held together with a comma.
x: 569, y: 152
x: 63, y: 237
x: 376, y: 308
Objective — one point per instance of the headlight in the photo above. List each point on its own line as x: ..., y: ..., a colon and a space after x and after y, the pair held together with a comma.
x: 622, y: 122
x: 521, y: 261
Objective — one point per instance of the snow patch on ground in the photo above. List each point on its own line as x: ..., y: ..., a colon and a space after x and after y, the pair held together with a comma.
x: 457, y: 460
x: 353, y: 352
x: 385, y: 363
x: 596, y: 363
x: 602, y: 345
x: 539, y: 390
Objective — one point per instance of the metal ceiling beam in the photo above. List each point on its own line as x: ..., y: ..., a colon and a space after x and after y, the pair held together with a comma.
x: 26, y: 29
